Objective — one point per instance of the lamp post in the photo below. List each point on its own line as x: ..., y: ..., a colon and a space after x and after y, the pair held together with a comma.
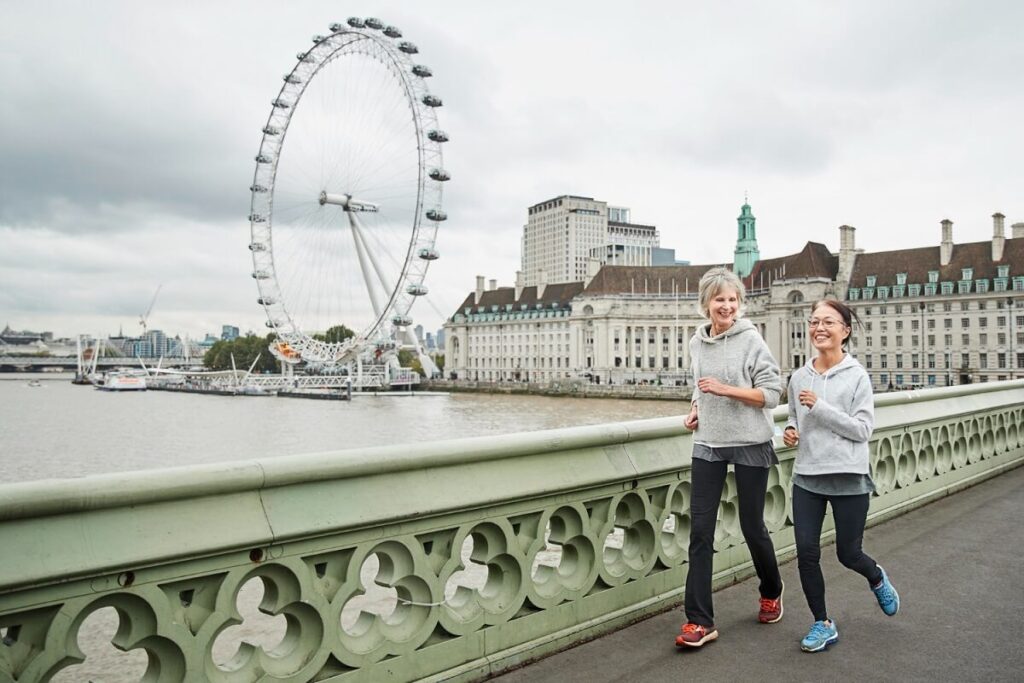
x: 924, y: 345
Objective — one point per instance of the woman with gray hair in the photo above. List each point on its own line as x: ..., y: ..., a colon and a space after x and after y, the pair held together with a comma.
x: 738, y: 381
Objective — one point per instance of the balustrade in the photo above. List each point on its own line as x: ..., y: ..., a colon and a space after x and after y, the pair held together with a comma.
x: 451, y: 560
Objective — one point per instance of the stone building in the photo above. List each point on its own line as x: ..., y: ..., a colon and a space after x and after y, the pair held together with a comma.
x: 930, y: 316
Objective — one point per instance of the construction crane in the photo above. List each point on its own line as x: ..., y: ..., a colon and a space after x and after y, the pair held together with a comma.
x: 145, y: 316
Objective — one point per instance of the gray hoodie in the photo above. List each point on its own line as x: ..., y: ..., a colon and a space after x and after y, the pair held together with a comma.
x: 740, y: 357
x: 834, y: 434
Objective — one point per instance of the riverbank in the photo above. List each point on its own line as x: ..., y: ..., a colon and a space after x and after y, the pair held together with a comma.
x: 564, y: 388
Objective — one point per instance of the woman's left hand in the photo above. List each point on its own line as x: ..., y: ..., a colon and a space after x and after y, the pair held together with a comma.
x: 710, y: 385
x: 808, y: 398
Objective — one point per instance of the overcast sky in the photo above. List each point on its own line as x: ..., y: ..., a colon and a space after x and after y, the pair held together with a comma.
x: 128, y: 130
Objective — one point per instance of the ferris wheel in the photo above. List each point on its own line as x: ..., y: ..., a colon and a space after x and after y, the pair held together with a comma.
x: 346, y: 196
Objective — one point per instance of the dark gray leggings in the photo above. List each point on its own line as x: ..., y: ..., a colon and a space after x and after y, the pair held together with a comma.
x: 850, y: 514
x: 707, y: 480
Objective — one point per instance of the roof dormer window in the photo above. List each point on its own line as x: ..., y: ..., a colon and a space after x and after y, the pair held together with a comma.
x: 901, y: 278
x: 967, y: 274
x: 1003, y: 271
x: 933, y: 276
x: 872, y: 279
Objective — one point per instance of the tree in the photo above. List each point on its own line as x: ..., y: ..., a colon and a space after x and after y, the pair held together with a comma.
x: 245, y: 350
x: 336, y: 334
x: 439, y: 361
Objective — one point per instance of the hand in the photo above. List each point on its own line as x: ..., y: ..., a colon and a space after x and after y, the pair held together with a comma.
x: 808, y: 398
x: 710, y: 385
x: 690, y: 422
x: 790, y: 437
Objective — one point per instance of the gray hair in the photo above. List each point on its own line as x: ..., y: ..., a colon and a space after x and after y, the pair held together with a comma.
x: 713, y: 282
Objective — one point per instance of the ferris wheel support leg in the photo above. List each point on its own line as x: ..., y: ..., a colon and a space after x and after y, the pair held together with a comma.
x: 358, y: 227
x: 364, y: 265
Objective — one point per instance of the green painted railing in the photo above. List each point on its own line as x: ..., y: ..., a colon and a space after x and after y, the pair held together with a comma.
x: 488, y: 552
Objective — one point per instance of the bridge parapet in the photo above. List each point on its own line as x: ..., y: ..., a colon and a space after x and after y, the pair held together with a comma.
x: 572, y: 533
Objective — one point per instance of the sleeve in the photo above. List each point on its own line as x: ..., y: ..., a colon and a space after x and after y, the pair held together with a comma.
x: 766, y: 376
x: 860, y: 423
x: 695, y: 396
x: 792, y: 402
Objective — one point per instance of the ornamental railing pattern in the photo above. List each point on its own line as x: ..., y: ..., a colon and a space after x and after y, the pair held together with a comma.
x: 443, y: 561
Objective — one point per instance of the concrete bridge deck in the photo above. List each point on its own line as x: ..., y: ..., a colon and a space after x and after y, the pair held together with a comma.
x: 957, y: 563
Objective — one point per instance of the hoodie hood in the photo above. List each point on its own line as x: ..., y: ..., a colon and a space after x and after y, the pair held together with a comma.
x: 739, y: 326
x: 821, y: 378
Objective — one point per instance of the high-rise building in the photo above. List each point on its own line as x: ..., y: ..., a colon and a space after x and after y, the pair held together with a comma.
x: 228, y: 332
x: 558, y: 238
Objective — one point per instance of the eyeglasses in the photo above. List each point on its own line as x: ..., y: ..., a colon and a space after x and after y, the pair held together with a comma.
x: 827, y: 323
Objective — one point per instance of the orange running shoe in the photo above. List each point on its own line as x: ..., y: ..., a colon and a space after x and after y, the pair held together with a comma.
x: 771, y: 610
x: 695, y: 635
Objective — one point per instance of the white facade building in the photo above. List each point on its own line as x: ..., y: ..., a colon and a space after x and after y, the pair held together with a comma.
x: 931, y: 316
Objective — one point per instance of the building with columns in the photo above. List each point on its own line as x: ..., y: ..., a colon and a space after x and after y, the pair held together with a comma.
x: 929, y: 316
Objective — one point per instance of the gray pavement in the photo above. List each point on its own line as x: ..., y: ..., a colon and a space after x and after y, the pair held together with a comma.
x: 957, y: 564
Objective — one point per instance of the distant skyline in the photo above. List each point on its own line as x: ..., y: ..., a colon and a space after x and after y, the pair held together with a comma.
x: 129, y: 131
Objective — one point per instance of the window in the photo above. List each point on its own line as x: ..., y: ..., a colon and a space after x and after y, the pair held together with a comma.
x: 965, y: 360
x: 867, y: 361
x: 965, y: 340
x: 947, y: 306
x: 883, y: 292
x: 947, y: 288
x: 899, y: 308
x: 931, y: 323
x: 983, y: 339
x: 899, y: 340
x: 899, y: 380
x: 1003, y: 271
x: 883, y: 340
x: 901, y: 278
x: 947, y: 324
x: 884, y: 326
x: 965, y: 323
x: 931, y: 380
x: 931, y: 340
x: 899, y: 324
x: 931, y: 361
x: 983, y: 322
x: 899, y: 360
x: 947, y: 339
x: 963, y: 287
x: 915, y: 361
x: 967, y: 274
x: 933, y: 276
x: 1020, y: 360
x: 981, y: 286
x: 871, y: 280
x: 885, y: 361
x: 983, y: 360
x: 1001, y: 360
x: 1001, y: 321
x: 914, y: 290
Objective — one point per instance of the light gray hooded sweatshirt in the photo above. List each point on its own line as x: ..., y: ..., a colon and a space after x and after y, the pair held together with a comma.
x: 834, y: 434
x: 740, y: 357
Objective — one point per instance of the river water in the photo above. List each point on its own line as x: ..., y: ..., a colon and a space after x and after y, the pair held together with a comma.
x: 59, y: 430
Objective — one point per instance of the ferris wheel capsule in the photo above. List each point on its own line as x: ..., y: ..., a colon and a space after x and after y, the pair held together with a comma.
x: 429, y: 254
x: 439, y: 174
x: 401, y: 321
x: 392, y: 32
x: 355, y: 22
x: 408, y: 48
x: 422, y: 71
x: 437, y: 135
x: 374, y: 23
x: 437, y: 215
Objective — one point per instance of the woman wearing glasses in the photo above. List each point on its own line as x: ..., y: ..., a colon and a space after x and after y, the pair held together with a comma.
x: 737, y: 379
x: 831, y: 417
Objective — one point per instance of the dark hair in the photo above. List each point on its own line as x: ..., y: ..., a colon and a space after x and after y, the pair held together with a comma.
x: 844, y: 311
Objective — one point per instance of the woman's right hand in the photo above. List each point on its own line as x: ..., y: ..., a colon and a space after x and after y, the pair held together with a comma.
x: 791, y: 436
x: 691, y: 420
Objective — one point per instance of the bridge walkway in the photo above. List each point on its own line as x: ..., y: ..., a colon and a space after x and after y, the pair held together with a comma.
x: 957, y: 563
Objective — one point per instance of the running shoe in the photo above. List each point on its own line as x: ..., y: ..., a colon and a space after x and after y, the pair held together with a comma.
x: 888, y: 598
x: 771, y: 610
x: 695, y: 635
x: 821, y: 635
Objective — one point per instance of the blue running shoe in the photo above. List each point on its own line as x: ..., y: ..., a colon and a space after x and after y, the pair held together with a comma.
x: 888, y: 598
x: 821, y: 635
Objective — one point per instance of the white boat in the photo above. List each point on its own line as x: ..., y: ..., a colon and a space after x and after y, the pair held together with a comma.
x: 121, y: 381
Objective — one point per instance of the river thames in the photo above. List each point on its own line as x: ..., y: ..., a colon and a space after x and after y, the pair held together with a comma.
x: 60, y: 430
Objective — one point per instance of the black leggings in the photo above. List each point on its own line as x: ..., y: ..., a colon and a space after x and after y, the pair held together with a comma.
x: 850, y: 514
x: 707, y: 480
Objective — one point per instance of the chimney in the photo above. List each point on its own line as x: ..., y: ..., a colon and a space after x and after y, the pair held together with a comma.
x: 479, y: 289
x: 593, y: 266
x: 493, y: 285
x: 1017, y: 230
x: 542, y: 283
x: 998, y: 236
x: 847, y: 256
x: 519, y: 284
x: 946, y: 248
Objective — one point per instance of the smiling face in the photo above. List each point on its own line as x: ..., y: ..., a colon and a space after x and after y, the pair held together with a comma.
x: 723, y: 307
x: 828, y: 330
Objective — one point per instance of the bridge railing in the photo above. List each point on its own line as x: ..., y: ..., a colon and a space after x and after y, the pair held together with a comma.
x: 489, y: 551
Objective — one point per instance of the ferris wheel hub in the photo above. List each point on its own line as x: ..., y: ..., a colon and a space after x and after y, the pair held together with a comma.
x: 346, y: 202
